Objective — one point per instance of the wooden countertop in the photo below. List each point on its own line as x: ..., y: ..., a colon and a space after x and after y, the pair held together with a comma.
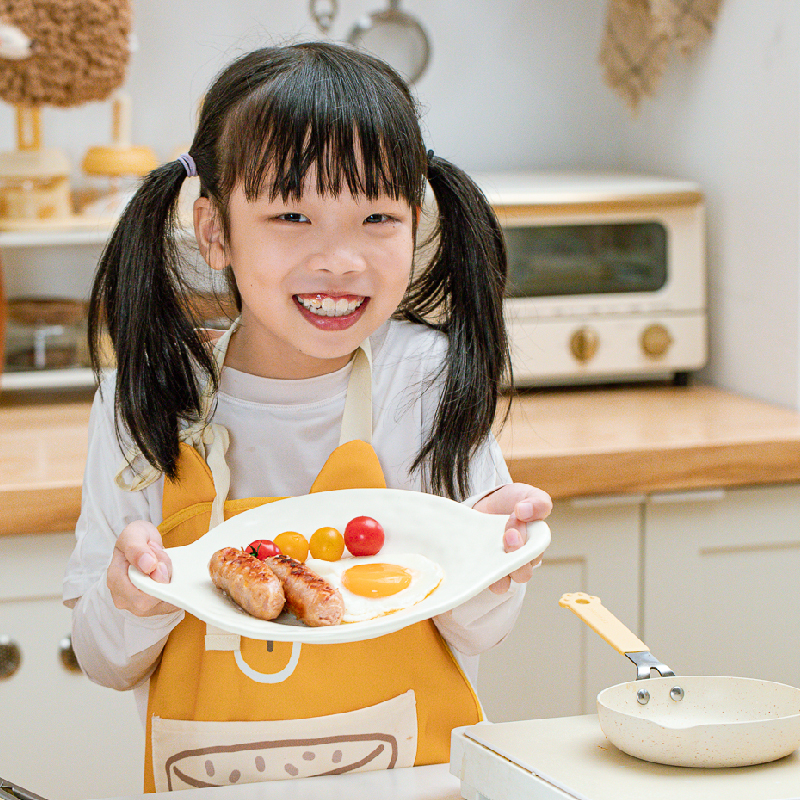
x: 638, y: 440
x: 572, y: 443
x: 43, y: 445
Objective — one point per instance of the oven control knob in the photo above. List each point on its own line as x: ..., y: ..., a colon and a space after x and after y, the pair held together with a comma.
x: 655, y: 340
x: 67, y: 655
x: 10, y: 657
x: 583, y: 344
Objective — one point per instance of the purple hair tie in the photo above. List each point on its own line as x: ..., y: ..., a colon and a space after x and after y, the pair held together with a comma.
x: 188, y: 165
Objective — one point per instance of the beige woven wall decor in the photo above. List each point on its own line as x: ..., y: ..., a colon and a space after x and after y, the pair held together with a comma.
x: 80, y: 51
x: 640, y: 36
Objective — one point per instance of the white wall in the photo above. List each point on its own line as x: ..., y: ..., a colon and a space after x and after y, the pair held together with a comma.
x: 512, y: 83
x: 729, y: 117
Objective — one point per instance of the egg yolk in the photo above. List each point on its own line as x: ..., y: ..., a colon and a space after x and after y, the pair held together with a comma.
x: 376, y: 580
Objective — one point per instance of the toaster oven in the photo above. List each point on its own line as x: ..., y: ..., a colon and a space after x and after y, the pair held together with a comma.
x: 606, y: 276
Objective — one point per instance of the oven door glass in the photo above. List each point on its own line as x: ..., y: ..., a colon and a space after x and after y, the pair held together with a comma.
x: 602, y: 258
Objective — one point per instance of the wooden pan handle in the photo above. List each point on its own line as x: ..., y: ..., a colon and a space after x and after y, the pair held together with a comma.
x: 591, y: 610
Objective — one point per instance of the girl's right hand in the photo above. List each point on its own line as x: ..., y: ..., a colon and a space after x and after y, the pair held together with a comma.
x: 140, y: 545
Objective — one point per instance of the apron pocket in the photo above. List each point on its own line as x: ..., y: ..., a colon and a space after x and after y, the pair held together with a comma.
x: 191, y: 754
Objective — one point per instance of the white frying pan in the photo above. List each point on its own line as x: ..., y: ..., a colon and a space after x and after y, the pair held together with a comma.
x: 689, y: 721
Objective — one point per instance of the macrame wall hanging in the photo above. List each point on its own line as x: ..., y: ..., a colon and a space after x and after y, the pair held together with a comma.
x: 641, y: 35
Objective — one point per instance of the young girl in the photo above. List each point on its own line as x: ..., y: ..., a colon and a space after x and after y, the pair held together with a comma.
x: 346, y: 368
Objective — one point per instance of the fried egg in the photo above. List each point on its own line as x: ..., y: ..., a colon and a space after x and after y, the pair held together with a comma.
x: 372, y: 586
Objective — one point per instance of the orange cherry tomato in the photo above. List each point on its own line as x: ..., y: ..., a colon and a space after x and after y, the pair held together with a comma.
x: 293, y: 544
x: 327, y: 544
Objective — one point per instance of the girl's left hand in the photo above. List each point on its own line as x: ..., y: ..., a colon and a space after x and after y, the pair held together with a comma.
x: 524, y: 504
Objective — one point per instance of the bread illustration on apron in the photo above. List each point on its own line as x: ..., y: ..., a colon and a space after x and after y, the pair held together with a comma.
x: 381, y: 737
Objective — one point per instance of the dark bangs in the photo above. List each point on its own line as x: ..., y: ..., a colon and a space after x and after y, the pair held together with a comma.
x: 321, y: 108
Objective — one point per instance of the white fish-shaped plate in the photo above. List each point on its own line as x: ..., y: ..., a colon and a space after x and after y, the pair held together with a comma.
x: 466, y: 544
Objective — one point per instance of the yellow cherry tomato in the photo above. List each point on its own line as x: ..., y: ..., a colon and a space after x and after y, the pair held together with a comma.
x: 327, y: 544
x: 292, y: 544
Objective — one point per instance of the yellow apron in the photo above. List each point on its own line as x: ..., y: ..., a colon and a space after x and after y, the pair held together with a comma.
x: 224, y: 711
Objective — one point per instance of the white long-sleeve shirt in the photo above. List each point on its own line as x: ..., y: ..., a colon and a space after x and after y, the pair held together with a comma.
x: 281, y: 434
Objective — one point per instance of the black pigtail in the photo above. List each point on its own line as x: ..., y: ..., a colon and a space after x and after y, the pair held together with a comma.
x: 138, y: 297
x: 462, y: 291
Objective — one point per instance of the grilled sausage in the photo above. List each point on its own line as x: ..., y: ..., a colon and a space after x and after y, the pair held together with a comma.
x: 310, y: 598
x: 248, y: 581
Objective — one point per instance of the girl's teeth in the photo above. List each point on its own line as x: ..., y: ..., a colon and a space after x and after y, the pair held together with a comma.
x: 330, y: 307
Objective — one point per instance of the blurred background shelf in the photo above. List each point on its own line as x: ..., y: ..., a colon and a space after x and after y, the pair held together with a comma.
x: 53, y: 262
x: 84, y: 233
x: 72, y: 378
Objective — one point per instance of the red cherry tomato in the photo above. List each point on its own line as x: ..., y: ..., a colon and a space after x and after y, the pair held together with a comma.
x: 262, y: 548
x: 363, y: 536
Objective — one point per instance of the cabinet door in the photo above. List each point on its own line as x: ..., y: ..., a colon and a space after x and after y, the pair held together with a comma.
x: 63, y: 736
x: 721, y: 582
x: 552, y: 664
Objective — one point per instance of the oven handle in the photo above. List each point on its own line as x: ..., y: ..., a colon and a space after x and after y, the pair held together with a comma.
x: 607, y: 500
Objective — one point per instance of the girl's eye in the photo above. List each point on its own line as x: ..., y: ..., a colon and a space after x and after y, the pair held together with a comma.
x: 293, y: 216
x: 373, y: 218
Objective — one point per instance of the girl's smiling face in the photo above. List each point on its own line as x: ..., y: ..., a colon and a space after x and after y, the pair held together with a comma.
x: 317, y: 275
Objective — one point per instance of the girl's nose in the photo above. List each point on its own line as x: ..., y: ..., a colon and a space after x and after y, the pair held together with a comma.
x: 338, y: 261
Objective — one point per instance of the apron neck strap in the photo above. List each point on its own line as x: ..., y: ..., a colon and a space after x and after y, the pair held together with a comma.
x: 218, y: 354
x: 357, y: 417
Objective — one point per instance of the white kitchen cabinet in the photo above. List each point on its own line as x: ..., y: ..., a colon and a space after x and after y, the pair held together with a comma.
x: 63, y: 737
x: 552, y: 664
x: 722, y: 582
